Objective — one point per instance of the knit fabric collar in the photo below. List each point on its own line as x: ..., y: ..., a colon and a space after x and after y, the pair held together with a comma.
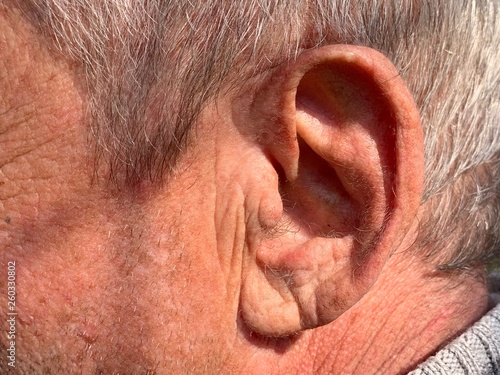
x: 476, y: 351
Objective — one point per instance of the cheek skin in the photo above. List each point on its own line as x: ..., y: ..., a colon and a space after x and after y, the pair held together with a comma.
x: 163, y: 305
x: 159, y: 290
x: 62, y: 302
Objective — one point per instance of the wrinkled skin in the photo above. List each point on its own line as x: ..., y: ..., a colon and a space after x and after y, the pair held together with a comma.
x: 112, y: 281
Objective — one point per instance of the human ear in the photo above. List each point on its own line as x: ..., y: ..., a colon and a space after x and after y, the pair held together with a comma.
x: 346, y: 142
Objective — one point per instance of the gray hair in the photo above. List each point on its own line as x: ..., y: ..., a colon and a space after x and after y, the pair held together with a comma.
x: 152, y: 65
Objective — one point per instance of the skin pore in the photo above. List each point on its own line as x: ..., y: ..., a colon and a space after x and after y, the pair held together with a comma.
x: 150, y: 279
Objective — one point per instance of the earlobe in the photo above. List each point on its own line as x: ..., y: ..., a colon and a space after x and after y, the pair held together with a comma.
x: 353, y: 197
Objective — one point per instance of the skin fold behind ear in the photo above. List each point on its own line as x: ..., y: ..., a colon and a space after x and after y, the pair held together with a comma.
x: 352, y: 194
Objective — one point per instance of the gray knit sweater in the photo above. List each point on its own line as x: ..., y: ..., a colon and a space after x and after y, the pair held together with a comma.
x: 476, y: 351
